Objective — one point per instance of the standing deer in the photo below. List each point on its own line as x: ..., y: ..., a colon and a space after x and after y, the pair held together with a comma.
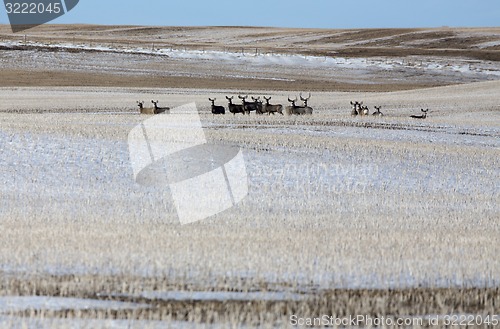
x: 144, y: 110
x: 258, y: 105
x: 377, y: 112
x: 159, y: 109
x: 272, y: 108
x: 422, y: 116
x: 251, y: 106
x: 217, y: 109
x: 234, y: 108
x: 290, y: 109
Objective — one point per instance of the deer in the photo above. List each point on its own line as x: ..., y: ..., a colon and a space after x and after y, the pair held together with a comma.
x: 278, y: 108
x: 250, y: 106
x: 377, y: 112
x: 144, y: 110
x: 359, y: 109
x: 159, y: 109
x: 364, y: 111
x: 355, y: 106
x: 234, y: 108
x: 291, y: 108
x: 307, y: 109
x: 258, y: 105
x: 422, y: 116
x: 297, y: 110
x: 217, y: 109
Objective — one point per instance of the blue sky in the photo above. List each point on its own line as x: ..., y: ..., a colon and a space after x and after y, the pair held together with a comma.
x: 286, y: 13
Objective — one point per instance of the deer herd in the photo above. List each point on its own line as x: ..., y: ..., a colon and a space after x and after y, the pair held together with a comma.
x: 260, y: 107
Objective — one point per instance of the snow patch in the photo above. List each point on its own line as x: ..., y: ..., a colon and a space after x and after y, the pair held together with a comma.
x: 25, y: 303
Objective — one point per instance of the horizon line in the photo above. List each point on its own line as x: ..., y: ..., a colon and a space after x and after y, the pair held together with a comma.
x: 269, y: 27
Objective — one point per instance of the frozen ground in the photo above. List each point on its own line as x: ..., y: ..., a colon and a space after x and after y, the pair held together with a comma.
x: 18, y: 304
x: 335, y: 202
x: 327, y: 173
x: 403, y: 70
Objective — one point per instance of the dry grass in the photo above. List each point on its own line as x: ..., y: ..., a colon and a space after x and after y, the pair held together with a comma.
x: 382, y: 216
x: 80, y: 67
x: 416, y: 237
x: 397, y: 303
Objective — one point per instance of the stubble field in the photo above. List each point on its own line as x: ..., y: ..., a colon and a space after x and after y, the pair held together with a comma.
x: 345, y: 215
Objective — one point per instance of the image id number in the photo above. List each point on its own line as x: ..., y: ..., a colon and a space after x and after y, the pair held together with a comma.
x: 32, y: 8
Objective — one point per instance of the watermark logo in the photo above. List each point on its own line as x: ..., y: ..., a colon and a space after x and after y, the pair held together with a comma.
x: 171, y: 150
x: 24, y: 14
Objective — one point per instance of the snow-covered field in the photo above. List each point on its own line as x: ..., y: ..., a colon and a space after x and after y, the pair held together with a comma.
x: 256, y: 60
x: 285, y: 67
x: 335, y: 202
x: 327, y: 173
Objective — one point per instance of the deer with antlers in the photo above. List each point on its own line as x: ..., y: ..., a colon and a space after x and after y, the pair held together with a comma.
x: 145, y: 110
x: 307, y: 108
x: 356, y: 107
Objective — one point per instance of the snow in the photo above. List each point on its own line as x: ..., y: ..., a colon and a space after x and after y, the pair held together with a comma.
x: 428, y: 64
x: 488, y: 44
x: 220, y: 296
x: 388, y: 131
x: 55, y: 323
x: 9, y: 304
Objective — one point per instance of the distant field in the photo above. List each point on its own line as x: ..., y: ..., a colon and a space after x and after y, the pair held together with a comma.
x: 248, y: 58
x: 345, y: 215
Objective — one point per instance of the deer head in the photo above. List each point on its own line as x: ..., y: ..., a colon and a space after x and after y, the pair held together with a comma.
x: 305, y: 99
x: 292, y: 101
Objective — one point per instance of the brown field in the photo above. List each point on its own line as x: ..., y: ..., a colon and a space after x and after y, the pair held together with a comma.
x: 470, y: 46
x: 345, y: 215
